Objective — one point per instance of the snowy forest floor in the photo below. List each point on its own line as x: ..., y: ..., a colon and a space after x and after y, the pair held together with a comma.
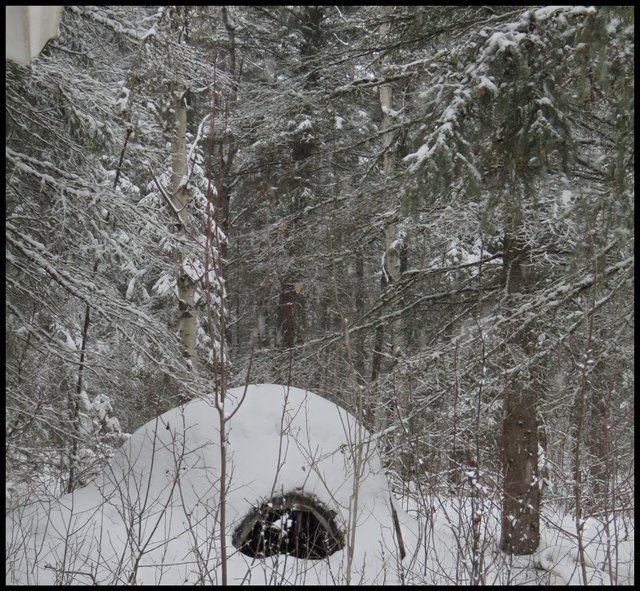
x: 448, y: 555
x: 457, y: 529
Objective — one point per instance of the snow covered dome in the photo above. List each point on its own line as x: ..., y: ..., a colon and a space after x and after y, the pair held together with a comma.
x: 27, y: 30
x: 307, y: 503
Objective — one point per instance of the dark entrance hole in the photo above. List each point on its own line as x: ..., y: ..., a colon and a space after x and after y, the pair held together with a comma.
x: 297, y: 524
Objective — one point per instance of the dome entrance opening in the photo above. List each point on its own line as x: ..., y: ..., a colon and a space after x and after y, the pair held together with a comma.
x: 297, y: 524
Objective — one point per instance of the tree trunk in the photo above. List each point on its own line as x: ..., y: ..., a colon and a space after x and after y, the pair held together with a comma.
x: 286, y: 314
x: 394, y: 260
x: 595, y: 439
x: 521, y: 502
x: 522, y: 490
x: 291, y: 306
x: 358, y: 299
x: 188, y: 322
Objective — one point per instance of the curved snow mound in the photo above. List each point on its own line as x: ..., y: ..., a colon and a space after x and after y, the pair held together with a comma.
x: 307, y: 502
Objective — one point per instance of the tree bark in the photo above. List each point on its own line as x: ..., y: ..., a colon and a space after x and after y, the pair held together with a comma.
x: 188, y: 321
x: 522, y: 481
x: 394, y: 261
x: 286, y: 313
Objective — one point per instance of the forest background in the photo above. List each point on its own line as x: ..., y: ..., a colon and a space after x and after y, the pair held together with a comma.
x: 424, y: 214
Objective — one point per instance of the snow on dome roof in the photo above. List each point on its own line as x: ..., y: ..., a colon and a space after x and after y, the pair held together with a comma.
x: 152, y: 516
x: 27, y: 30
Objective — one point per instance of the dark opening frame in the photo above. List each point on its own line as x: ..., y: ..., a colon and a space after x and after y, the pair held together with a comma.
x: 295, y: 523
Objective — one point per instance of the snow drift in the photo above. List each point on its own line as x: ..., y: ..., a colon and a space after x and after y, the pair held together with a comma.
x: 152, y: 516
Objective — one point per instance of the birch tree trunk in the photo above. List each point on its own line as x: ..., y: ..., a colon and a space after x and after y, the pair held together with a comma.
x: 392, y: 254
x: 395, y: 250
x: 187, y: 326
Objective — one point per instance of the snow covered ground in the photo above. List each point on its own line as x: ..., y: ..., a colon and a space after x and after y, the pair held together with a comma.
x: 152, y: 517
x: 446, y: 554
